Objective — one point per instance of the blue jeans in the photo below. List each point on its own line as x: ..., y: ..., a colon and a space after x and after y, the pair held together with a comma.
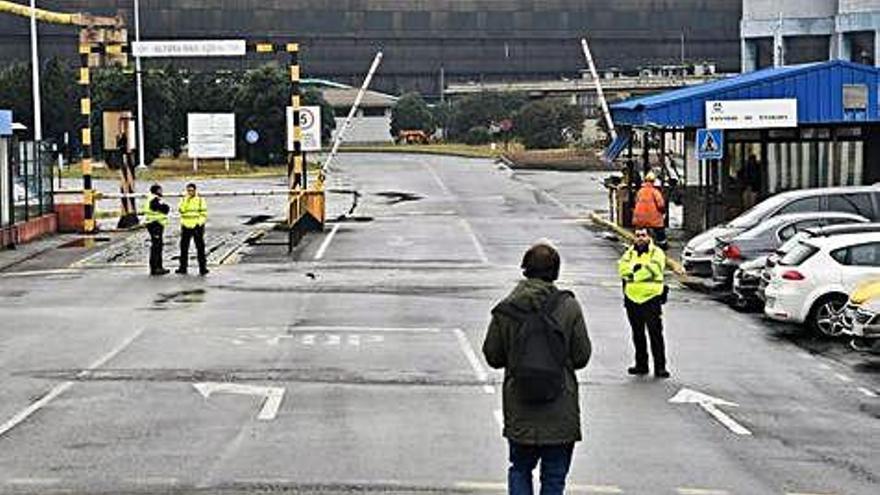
x: 555, y: 461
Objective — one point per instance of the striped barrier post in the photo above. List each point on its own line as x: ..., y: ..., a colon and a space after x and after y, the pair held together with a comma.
x: 86, y: 138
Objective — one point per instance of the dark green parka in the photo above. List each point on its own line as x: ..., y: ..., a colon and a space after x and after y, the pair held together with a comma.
x: 553, y: 423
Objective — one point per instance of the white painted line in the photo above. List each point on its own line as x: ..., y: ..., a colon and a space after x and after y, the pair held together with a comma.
x: 333, y: 339
x: 807, y: 493
x: 326, y: 243
x: 726, y: 420
x: 154, y: 481
x: 867, y: 392
x: 843, y: 378
x: 481, y: 252
x: 40, y: 273
x: 272, y: 404
x: 479, y: 371
x: 806, y: 355
x: 375, y: 339
x: 483, y: 486
x: 354, y: 340
x: 308, y: 339
x: 33, y: 481
x: 823, y: 366
x: 594, y: 489
x: 499, y: 418
x: 62, y: 387
x: 437, y: 179
x: 701, y: 491
x: 354, y: 329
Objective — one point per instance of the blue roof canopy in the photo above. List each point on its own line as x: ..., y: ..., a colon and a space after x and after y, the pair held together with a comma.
x: 818, y: 88
x: 5, y: 123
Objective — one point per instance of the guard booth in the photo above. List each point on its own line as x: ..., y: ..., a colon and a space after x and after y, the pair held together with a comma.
x: 773, y: 130
x: 26, y: 203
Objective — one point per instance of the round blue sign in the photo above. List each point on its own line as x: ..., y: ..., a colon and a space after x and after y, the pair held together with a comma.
x: 252, y: 136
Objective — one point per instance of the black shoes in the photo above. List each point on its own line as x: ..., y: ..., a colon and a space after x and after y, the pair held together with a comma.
x: 160, y: 272
x: 636, y: 370
x: 204, y: 272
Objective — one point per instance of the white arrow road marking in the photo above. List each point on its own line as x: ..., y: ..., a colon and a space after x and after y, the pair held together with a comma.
x: 333, y: 339
x: 710, y: 405
x: 272, y: 396
x: 308, y: 339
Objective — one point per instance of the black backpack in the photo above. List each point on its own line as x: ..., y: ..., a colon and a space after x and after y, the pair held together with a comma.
x: 538, y: 352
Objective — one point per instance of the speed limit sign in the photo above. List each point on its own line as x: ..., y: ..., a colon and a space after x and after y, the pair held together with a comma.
x: 310, y: 124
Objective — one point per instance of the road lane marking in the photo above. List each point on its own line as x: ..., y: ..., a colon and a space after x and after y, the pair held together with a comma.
x: 710, y: 405
x: 499, y: 418
x: 272, y: 396
x: 807, y: 493
x: 437, y: 179
x: 33, y: 481
x: 354, y: 340
x: 867, y: 392
x: 355, y: 329
x: 498, y: 486
x: 333, y: 339
x: 843, y: 378
x: 63, y: 387
x: 479, y: 371
x: 326, y: 243
x: 308, y: 339
x: 481, y: 252
x: 824, y: 367
x: 701, y: 491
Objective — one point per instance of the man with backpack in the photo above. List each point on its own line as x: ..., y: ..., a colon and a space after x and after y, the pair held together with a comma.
x: 538, y: 335
x: 641, y: 269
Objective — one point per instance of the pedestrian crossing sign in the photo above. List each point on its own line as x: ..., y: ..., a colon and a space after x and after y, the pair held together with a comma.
x: 710, y: 144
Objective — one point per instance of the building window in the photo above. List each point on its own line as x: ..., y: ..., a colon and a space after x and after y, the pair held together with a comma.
x: 805, y: 49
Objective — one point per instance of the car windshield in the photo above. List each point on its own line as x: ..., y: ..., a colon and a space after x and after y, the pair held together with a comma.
x: 757, y: 213
x: 798, y: 254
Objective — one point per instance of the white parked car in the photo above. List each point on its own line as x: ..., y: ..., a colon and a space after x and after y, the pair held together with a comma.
x: 812, y: 282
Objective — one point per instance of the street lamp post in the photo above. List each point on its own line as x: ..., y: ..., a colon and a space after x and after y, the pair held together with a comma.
x: 140, y: 88
x: 35, y: 71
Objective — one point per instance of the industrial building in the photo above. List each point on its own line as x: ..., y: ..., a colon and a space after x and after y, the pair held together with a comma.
x: 426, y: 43
x: 789, y: 32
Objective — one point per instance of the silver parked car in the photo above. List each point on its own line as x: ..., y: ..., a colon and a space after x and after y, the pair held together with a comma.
x: 763, y: 239
x: 859, y: 200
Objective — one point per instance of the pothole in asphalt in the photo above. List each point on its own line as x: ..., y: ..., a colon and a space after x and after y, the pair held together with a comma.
x: 84, y: 242
x: 192, y: 296
x: 254, y: 220
x: 396, y: 197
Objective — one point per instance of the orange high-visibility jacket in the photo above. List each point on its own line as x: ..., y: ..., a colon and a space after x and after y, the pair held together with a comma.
x: 649, y: 208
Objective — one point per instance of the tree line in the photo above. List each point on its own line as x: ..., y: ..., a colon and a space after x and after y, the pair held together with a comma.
x: 257, y: 97
x: 484, y: 117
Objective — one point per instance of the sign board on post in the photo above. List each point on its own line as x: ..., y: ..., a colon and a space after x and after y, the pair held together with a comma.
x: 710, y: 144
x: 310, y: 123
x: 751, y: 114
x: 211, y: 135
x: 189, y: 48
x: 5, y: 122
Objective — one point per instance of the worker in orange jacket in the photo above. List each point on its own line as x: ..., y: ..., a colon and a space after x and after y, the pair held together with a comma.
x: 650, y: 210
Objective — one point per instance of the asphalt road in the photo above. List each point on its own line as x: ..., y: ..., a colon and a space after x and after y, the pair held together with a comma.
x: 354, y: 365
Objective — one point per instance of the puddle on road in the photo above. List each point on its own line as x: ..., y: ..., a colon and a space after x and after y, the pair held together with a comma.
x: 84, y: 242
x: 396, y: 197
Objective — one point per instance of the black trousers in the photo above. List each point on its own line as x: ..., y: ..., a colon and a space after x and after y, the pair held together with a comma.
x: 197, y: 234
x: 648, y: 314
x: 156, y: 231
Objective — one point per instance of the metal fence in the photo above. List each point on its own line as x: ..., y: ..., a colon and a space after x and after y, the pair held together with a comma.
x: 26, y: 186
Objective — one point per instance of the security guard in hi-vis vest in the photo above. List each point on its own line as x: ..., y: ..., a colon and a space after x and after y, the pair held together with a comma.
x: 156, y: 217
x: 641, y: 268
x: 193, y: 211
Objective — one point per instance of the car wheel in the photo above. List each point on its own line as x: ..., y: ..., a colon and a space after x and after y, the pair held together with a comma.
x: 827, y: 316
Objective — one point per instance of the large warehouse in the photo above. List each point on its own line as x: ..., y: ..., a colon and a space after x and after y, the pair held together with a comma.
x: 425, y: 41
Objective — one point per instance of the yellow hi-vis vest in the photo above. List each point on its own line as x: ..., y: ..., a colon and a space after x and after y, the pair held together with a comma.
x: 193, y: 211
x: 646, y: 282
x: 151, y: 215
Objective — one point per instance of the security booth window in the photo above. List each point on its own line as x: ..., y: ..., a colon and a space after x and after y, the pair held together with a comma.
x: 31, y: 181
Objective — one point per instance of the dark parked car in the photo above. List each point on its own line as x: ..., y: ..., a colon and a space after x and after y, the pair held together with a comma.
x: 764, y: 238
x: 859, y: 200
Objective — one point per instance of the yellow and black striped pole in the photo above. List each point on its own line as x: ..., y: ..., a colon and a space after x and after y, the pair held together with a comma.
x: 86, y: 138
x: 295, y: 173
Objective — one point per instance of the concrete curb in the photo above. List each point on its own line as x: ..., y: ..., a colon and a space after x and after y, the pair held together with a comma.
x: 626, y: 234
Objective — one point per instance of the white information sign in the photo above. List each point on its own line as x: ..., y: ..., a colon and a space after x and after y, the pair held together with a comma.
x: 751, y: 114
x: 211, y: 135
x: 189, y: 48
x: 310, y: 123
